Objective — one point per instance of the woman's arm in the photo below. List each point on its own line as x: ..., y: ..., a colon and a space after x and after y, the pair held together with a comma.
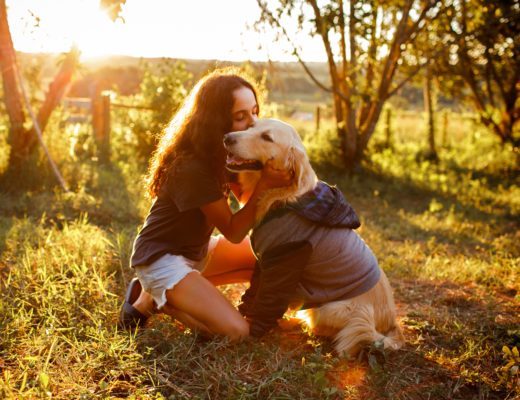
x: 236, y: 226
x: 242, y: 185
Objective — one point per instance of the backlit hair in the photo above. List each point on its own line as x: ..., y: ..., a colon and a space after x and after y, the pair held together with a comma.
x: 198, y: 127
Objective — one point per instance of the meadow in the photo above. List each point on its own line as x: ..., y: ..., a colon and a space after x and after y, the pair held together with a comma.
x: 446, y: 234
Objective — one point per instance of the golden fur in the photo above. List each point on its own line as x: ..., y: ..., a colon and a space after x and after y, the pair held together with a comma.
x: 370, y: 317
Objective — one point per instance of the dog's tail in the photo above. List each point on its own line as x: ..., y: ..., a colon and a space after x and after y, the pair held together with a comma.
x: 361, y: 330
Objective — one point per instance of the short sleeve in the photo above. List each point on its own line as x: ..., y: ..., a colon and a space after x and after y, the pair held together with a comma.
x: 193, y: 185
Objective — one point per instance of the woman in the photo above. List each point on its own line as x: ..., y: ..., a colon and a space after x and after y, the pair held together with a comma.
x: 187, y: 181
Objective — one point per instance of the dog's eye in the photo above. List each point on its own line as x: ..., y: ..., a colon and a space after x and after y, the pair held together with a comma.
x: 265, y: 136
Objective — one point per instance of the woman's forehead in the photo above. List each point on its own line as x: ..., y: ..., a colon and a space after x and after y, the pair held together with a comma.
x: 244, y: 99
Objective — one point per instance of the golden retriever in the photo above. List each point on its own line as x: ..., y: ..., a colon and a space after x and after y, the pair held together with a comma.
x: 368, y: 317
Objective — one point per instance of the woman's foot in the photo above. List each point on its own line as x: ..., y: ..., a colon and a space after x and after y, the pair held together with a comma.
x: 130, y: 317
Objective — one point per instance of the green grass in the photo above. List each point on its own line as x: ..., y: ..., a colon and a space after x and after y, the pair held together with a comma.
x: 446, y: 234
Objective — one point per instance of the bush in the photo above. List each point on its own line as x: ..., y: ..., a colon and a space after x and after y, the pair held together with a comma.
x: 162, y: 89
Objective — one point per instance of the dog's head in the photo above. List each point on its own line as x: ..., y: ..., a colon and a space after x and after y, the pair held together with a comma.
x: 271, y: 139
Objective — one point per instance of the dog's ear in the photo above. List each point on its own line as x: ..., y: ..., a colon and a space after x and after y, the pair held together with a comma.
x: 298, y: 162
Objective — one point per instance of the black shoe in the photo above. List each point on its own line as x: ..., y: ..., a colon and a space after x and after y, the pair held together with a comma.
x: 130, y: 317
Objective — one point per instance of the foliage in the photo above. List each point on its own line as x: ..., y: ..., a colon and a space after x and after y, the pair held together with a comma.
x: 511, y: 371
x: 112, y: 7
x: 365, y: 44
x: 481, y: 40
x: 162, y: 90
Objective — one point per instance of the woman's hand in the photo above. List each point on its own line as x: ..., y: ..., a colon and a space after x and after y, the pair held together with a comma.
x: 273, y: 178
x: 236, y: 226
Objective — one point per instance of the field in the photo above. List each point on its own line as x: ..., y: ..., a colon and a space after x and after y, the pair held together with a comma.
x: 446, y: 234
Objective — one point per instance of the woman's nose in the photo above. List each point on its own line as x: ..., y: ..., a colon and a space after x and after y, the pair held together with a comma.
x: 252, y: 120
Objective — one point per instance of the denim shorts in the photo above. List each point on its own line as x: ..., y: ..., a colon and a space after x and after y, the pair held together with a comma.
x: 167, y: 271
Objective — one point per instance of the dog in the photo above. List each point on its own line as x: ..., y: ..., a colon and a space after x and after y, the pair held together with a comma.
x: 308, y: 253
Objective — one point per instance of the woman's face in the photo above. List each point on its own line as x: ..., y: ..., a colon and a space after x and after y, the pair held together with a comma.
x: 245, y: 109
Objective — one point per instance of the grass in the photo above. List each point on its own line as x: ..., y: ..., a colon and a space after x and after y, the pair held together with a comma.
x: 446, y: 234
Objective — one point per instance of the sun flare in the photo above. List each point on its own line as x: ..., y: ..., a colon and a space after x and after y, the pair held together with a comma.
x: 93, y: 32
x: 159, y: 28
x: 56, y: 26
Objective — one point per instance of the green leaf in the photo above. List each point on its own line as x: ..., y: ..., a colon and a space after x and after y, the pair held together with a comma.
x: 44, y: 380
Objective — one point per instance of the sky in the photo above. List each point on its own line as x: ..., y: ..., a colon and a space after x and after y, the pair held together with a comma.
x: 196, y: 29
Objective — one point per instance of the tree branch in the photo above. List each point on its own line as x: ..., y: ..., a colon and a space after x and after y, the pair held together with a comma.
x: 274, y: 21
x: 414, y: 72
x: 343, y: 45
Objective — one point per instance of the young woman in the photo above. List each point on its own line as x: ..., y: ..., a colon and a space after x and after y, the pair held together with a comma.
x: 187, y: 181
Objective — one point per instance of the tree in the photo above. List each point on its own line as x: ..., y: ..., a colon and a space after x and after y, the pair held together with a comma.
x: 22, y: 140
x: 430, y: 105
x: 18, y: 136
x: 368, y: 45
x: 485, y: 54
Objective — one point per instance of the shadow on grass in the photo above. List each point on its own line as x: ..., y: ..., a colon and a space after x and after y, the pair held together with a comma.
x: 454, y: 340
x: 403, y: 193
x: 494, y: 178
x: 117, y: 205
x: 382, y: 197
x: 452, y: 352
x: 104, y: 197
x: 6, y: 224
x: 455, y: 335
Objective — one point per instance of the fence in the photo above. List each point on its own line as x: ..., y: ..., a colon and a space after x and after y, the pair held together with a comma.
x: 99, y: 107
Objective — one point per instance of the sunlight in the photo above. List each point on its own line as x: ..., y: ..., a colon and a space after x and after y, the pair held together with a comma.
x: 162, y: 28
x: 56, y: 26
x: 303, y: 315
x: 92, y: 32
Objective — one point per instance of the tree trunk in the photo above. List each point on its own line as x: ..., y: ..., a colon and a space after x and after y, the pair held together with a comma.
x: 340, y: 129
x: 18, y: 135
x: 429, y: 107
x: 23, y: 141
x: 57, y: 89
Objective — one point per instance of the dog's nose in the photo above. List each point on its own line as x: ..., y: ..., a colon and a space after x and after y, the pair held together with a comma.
x: 229, y: 140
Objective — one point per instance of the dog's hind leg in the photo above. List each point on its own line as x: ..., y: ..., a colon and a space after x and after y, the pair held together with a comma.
x: 394, y: 338
x: 358, y: 331
x: 328, y: 319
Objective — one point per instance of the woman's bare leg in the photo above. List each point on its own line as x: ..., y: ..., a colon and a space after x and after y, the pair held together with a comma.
x: 230, y: 262
x: 144, y: 304
x: 184, y: 318
x: 227, y: 263
x: 196, y: 297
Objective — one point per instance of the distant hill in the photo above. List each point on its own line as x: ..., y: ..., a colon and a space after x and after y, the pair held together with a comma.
x: 285, y: 81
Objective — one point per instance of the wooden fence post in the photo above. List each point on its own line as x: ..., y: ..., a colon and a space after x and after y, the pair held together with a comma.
x: 444, y: 127
x: 318, y: 117
x: 101, y: 125
x: 105, y: 153
x: 388, y: 128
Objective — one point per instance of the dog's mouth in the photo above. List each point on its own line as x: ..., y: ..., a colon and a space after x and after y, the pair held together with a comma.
x: 235, y: 163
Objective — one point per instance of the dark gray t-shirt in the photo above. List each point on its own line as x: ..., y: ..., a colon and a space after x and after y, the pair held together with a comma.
x: 175, y: 223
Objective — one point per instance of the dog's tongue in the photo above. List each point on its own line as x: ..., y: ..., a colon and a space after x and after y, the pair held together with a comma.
x: 235, y: 162
x: 232, y: 159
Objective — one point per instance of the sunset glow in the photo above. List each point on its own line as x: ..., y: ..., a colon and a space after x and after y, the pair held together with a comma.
x: 198, y: 29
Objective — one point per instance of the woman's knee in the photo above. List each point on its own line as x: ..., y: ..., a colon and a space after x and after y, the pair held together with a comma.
x: 239, y: 330
x: 234, y: 330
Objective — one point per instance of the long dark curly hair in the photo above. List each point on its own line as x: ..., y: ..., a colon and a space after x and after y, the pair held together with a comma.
x: 198, y: 127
